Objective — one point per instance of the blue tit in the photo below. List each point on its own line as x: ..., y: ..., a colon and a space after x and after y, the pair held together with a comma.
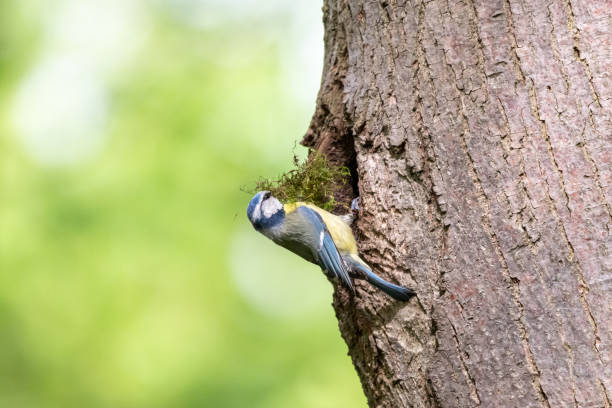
x: 319, y: 237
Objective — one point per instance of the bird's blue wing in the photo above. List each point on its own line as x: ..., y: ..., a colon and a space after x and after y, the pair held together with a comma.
x: 326, y: 251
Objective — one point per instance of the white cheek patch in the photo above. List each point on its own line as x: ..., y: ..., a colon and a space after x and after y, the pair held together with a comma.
x: 257, y: 212
x: 271, y: 207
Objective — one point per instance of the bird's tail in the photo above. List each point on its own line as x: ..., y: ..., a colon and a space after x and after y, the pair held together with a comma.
x: 395, y: 291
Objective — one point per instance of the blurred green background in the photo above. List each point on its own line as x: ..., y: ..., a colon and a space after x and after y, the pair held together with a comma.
x: 129, y: 275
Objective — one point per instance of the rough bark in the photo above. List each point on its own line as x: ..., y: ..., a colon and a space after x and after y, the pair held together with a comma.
x: 479, y: 133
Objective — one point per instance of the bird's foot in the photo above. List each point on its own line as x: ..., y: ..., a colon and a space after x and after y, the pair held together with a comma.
x: 350, y: 216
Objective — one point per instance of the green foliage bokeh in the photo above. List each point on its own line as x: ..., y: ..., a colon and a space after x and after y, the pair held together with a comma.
x: 116, y: 284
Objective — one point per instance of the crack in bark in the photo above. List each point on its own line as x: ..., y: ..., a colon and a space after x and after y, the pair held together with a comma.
x: 573, y: 28
x: 431, y: 392
x: 529, y: 358
x: 528, y: 202
x: 473, y: 389
x: 515, y: 58
x: 481, y: 59
x: 570, y: 352
x: 430, y: 160
x: 522, y: 183
x: 596, y: 176
x: 605, y: 396
x: 583, y: 287
x: 555, y: 49
x: 571, y: 25
x: 483, y: 200
x: 546, y: 138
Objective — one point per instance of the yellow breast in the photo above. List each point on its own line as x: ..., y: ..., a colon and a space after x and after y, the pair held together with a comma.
x: 339, y: 230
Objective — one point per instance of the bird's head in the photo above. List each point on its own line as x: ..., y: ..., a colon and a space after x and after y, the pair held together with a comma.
x: 265, y: 211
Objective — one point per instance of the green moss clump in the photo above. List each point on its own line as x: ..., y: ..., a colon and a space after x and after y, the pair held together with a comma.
x: 312, y: 180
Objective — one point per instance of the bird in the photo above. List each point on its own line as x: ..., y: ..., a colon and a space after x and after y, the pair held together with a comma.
x: 319, y: 237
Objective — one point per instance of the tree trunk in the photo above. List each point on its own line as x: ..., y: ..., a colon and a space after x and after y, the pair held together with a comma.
x: 479, y: 135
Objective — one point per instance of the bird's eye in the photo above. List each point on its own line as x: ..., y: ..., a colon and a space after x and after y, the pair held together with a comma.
x: 266, y: 196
